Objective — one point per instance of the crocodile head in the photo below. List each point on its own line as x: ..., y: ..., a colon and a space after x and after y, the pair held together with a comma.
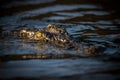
x: 55, y: 35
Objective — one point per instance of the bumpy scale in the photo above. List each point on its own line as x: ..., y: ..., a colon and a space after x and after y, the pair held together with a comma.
x: 56, y: 35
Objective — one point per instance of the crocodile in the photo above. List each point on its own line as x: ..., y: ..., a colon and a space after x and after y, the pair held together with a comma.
x: 56, y: 35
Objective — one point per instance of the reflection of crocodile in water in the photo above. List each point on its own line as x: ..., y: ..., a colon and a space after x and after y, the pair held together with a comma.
x: 56, y: 35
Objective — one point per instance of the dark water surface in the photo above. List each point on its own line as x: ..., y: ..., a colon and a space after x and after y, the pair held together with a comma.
x: 89, y: 22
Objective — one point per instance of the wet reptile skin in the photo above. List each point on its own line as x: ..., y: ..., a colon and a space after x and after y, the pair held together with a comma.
x: 56, y: 35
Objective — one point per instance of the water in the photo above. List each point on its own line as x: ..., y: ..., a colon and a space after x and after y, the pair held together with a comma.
x: 87, y: 21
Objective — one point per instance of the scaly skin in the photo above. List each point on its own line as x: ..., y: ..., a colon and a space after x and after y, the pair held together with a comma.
x: 56, y: 35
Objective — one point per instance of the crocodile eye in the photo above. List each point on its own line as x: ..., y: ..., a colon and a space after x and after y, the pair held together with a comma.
x: 38, y: 34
